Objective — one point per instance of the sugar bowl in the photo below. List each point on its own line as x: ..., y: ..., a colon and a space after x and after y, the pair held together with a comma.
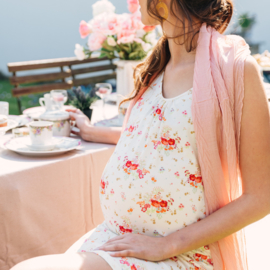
x: 62, y: 123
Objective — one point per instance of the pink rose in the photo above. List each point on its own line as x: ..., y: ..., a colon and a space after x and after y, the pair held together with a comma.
x: 136, y: 20
x: 126, y: 39
x: 125, y: 36
x: 105, y: 23
x: 95, y: 41
x: 149, y: 28
x: 124, y: 21
x: 84, y: 29
x: 133, y: 5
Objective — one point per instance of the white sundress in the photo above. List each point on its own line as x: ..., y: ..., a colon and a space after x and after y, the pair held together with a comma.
x: 152, y: 183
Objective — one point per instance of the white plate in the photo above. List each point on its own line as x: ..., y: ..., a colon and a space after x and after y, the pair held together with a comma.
x: 18, y: 145
x: 35, y: 112
x: 10, y: 124
x: 55, y: 141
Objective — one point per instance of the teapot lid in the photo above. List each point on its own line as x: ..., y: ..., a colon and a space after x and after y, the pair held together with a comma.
x: 55, y: 115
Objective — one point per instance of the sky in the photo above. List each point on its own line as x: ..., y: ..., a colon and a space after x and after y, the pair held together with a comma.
x: 35, y: 29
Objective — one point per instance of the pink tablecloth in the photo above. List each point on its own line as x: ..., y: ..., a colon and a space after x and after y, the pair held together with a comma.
x: 46, y: 204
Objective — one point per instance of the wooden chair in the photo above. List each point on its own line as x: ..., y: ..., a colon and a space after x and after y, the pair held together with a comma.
x: 65, y: 78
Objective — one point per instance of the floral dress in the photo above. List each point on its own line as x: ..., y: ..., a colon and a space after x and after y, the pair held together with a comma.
x: 152, y: 183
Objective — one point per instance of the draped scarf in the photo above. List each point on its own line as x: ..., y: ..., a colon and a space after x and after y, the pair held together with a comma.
x: 217, y: 101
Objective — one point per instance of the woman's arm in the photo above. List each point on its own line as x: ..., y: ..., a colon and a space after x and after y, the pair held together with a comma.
x: 91, y: 133
x: 252, y: 205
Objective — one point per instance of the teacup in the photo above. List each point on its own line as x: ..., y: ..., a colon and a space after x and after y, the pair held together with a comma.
x: 46, y: 102
x: 41, y: 132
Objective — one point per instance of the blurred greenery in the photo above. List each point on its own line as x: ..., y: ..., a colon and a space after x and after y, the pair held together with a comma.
x: 27, y: 101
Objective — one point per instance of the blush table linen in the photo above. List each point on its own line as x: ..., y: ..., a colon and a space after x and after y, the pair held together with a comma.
x: 47, y: 203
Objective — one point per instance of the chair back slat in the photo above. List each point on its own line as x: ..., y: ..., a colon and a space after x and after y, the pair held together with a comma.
x: 50, y: 63
x: 29, y: 90
x: 40, y: 78
x: 65, y: 78
x: 94, y: 79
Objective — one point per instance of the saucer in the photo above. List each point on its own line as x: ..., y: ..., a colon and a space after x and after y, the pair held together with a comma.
x: 18, y: 145
x: 46, y: 147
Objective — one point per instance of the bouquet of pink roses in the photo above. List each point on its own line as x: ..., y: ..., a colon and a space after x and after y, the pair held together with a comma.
x: 116, y: 35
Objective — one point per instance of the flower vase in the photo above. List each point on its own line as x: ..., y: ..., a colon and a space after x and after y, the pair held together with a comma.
x: 124, y: 82
x: 88, y: 113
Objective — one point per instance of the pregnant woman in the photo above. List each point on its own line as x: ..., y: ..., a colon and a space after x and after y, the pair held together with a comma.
x: 182, y: 183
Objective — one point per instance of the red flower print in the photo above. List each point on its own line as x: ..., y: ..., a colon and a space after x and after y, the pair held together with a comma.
x: 134, y: 166
x: 158, y: 111
x: 128, y: 164
x: 122, y: 229
x: 131, y: 128
x: 206, y: 247
x: 163, y: 203
x: 198, y: 179
x: 174, y: 258
x: 164, y: 141
x: 155, y: 203
x: 144, y: 209
x: 171, y: 141
x: 192, y: 177
x: 102, y: 184
x: 198, y: 255
x: 133, y: 267
x: 181, y: 205
x: 210, y: 261
x: 147, y: 205
x: 141, y: 176
x: 187, y: 144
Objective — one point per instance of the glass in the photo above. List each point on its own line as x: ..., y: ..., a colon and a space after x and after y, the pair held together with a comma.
x: 59, y: 98
x: 103, y: 91
x: 4, y: 108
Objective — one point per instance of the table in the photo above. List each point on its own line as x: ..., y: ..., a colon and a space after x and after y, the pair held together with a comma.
x: 47, y: 203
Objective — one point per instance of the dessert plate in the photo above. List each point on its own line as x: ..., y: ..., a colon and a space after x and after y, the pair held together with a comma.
x: 19, y: 145
x: 10, y: 124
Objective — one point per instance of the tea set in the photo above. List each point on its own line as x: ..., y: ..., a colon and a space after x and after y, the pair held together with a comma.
x: 50, y: 134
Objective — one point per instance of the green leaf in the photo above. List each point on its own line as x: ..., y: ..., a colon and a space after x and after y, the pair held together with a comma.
x: 122, y: 55
x: 107, y: 47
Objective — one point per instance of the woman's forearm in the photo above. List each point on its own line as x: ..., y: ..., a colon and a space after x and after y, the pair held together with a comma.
x: 224, y: 222
x: 109, y: 135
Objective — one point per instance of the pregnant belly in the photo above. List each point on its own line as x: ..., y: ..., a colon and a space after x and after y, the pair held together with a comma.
x: 153, y: 204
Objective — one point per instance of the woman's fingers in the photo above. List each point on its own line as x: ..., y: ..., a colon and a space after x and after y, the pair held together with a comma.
x: 124, y: 253
x: 115, y: 238
x: 76, y: 133
x: 71, y: 110
x: 114, y: 247
x: 73, y: 115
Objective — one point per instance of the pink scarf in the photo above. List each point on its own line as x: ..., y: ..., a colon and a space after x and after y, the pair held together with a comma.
x: 217, y: 100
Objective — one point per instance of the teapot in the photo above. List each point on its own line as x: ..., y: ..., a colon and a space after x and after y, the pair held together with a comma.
x: 62, y: 123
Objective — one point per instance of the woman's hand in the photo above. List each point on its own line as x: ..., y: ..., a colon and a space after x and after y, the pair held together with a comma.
x: 82, y: 122
x: 139, y: 246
